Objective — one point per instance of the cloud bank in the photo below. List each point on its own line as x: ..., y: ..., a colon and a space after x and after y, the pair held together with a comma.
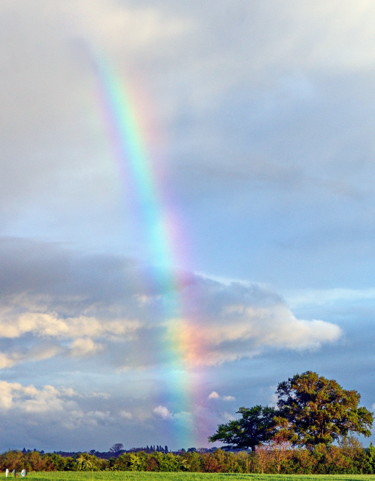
x: 58, y: 303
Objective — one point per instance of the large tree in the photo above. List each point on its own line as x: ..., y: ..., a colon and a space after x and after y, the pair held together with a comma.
x: 314, y: 410
x: 255, y: 426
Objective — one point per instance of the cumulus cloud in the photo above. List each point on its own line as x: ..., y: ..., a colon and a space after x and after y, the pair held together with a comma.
x: 33, y: 400
x: 21, y: 354
x: 163, y: 412
x: 63, y: 407
x: 84, y: 347
x: 216, y: 395
x: 68, y: 313
x: 180, y: 417
x: 9, y: 360
x: 241, y: 321
x: 50, y: 325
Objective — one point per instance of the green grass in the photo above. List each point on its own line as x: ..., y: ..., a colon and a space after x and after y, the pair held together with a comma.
x: 153, y: 476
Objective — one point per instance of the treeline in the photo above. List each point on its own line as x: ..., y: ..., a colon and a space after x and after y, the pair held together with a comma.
x: 348, y: 458
x: 114, y: 453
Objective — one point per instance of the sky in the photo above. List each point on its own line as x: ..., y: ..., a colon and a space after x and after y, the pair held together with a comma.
x: 172, y: 252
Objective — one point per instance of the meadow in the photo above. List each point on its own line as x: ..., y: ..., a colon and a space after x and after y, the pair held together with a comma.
x: 152, y: 476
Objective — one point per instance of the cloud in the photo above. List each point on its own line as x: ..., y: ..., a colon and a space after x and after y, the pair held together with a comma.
x: 84, y: 347
x: 215, y: 395
x: 64, y: 417
x: 180, y: 417
x: 64, y: 406
x: 163, y: 412
x: 29, y: 399
x: 77, y: 313
x: 265, y: 74
x: 314, y: 297
x: 126, y: 414
x: 242, y: 321
x: 9, y: 360
x: 229, y: 398
x: 49, y: 325
x: 110, y: 23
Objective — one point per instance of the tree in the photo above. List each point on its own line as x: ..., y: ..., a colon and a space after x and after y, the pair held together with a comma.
x: 116, y: 448
x: 87, y: 462
x: 314, y: 410
x: 255, y: 426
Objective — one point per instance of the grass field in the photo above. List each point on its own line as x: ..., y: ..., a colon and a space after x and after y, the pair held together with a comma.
x: 151, y: 476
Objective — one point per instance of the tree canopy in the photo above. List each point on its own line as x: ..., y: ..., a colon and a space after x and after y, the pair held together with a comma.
x: 314, y: 410
x: 255, y: 426
x: 310, y: 410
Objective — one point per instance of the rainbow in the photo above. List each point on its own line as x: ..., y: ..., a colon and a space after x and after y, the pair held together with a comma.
x: 161, y: 230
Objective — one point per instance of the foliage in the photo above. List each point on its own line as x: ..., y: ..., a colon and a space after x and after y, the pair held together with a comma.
x: 370, y: 459
x: 313, y: 410
x: 87, y: 462
x: 255, y: 426
x: 275, y: 458
x: 308, y: 433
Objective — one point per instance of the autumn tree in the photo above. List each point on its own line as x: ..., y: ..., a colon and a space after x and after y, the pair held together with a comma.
x: 255, y: 426
x: 314, y: 410
x: 87, y: 462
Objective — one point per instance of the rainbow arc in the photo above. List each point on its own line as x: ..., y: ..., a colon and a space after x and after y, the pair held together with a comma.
x: 159, y: 228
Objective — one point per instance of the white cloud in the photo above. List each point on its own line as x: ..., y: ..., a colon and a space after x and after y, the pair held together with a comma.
x: 216, y: 395
x: 84, y: 347
x: 44, y: 324
x: 163, y: 412
x: 33, y: 400
x: 242, y: 321
x: 180, y: 417
x: 63, y: 406
x: 9, y: 360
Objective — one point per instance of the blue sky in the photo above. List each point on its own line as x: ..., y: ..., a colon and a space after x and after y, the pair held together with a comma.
x: 260, y: 116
